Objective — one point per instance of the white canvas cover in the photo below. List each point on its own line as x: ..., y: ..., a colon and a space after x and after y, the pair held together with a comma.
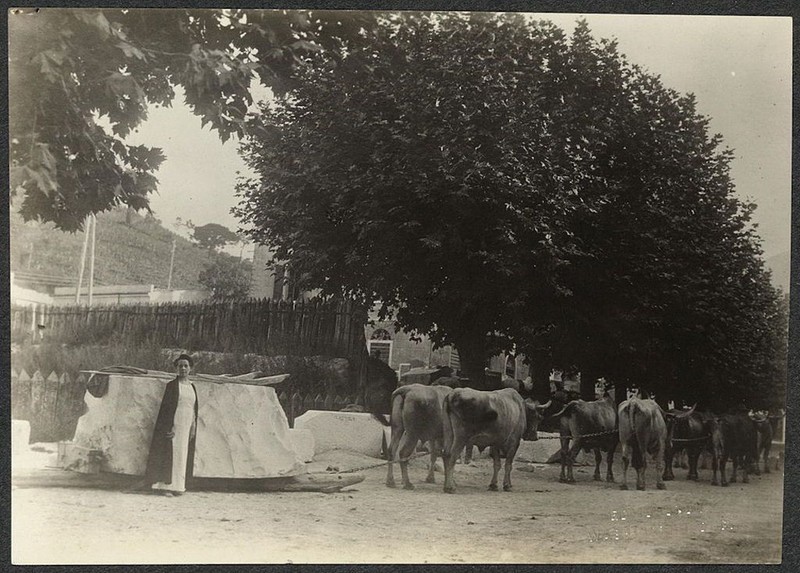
x: 242, y: 431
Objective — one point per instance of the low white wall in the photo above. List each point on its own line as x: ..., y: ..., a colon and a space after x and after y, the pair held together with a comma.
x: 353, y: 431
x: 20, y: 436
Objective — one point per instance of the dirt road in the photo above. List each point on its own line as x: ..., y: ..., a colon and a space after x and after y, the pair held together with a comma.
x: 541, y: 521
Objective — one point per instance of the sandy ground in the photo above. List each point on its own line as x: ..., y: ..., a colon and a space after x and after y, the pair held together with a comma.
x: 540, y: 521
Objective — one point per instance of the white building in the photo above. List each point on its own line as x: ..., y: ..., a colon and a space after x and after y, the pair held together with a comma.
x: 127, y: 294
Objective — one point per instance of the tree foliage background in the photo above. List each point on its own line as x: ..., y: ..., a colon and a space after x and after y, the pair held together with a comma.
x: 496, y: 183
x: 212, y: 236
x: 492, y: 180
x: 226, y: 277
x: 73, y: 71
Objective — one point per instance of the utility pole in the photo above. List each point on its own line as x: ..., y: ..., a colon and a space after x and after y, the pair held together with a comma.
x: 171, y: 263
x: 91, y: 258
x: 285, y: 291
x: 83, y: 260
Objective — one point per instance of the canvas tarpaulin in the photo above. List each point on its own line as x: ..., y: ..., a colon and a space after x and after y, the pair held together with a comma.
x: 242, y: 431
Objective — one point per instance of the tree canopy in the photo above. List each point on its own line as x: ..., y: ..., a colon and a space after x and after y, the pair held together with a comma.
x: 212, y: 236
x: 226, y: 277
x: 498, y: 183
x: 73, y: 71
x: 494, y: 181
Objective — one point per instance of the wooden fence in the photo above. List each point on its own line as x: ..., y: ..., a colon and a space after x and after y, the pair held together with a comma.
x: 53, y: 403
x: 297, y: 404
x: 260, y: 326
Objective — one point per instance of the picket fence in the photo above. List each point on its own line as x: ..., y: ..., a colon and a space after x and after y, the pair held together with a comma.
x: 296, y: 404
x: 260, y: 326
x: 53, y: 403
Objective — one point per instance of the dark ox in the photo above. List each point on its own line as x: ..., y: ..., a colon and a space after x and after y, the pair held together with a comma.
x: 416, y: 416
x: 492, y: 381
x: 588, y: 426
x: 688, y: 432
x: 498, y: 419
x: 425, y: 376
x: 642, y: 431
x: 451, y: 382
x: 734, y: 436
x: 765, y: 427
x: 380, y: 383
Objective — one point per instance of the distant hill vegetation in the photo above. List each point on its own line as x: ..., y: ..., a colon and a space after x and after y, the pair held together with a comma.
x: 138, y: 252
x: 130, y: 249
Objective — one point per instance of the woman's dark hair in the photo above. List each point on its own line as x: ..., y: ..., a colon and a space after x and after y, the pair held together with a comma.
x: 185, y: 357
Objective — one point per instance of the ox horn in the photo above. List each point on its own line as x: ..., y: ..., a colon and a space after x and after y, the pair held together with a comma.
x: 543, y: 407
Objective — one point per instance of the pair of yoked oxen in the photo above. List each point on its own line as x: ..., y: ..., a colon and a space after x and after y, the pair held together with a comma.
x: 450, y: 419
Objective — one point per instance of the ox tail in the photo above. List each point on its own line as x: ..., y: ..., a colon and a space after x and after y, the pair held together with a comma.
x: 639, y: 447
x: 448, y: 434
x: 398, y: 397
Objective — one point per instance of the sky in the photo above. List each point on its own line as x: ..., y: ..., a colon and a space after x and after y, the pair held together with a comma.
x: 738, y: 67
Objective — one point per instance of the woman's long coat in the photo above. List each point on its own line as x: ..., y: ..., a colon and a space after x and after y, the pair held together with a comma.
x: 159, y: 461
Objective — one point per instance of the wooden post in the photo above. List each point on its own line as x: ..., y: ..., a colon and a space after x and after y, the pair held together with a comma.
x: 285, y: 289
x: 171, y: 264
x: 49, y: 404
x: 34, y: 332
x: 37, y: 403
x: 91, y: 258
x: 297, y: 404
x: 308, y: 403
x: 20, y: 395
x: 82, y: 264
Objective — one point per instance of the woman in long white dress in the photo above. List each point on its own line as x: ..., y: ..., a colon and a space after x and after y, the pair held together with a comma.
x: 172, y: 448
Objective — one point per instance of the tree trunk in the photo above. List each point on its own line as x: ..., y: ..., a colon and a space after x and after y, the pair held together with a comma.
x: 472, y: 354
x: 540, y: 376
x: 588, y: 379
x: 620, y: 392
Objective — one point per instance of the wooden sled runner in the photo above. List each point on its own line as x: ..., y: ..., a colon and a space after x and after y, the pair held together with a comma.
x: 57, y: 477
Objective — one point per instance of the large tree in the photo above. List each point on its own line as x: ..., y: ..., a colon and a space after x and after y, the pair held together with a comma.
x: 666, y: 276
x: 212, y: 236
x: 490, y: 178
x: 74, y: 71
x: 496, y: 182
x: 415, y: 172
x: 227, y: 277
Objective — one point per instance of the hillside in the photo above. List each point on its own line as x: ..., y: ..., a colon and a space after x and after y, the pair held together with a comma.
x: 135, y: 253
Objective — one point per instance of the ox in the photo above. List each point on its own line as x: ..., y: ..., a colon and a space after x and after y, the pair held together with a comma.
x: 491, y: 384
x: 380, y: 383
x: 642, y: 431
x: 451, y: 382
x: 416, y: 416
x: 590, y: 426
x: 733, y: 436
x: 498, y: 419
x: 425, y: 376
x: 765, y: 426
x: 688, y: 432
